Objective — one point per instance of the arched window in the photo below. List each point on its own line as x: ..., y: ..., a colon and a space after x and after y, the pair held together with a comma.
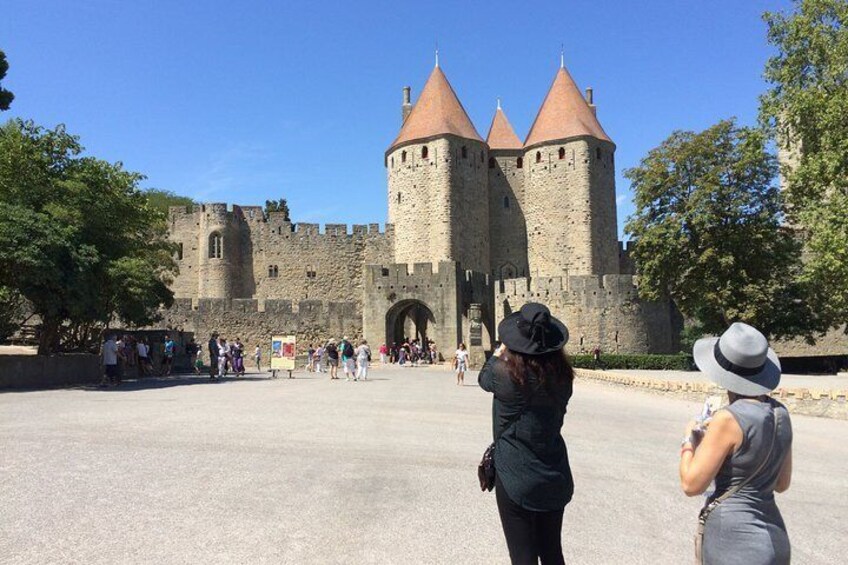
x: 216, y: 246
x: 464, y: 152
x: 506, y: 201
x: 491, y: 162
x: 424, y: 152
x: 403, y: 156
x: 180, y: 252
x: 273, y: 271
x: 562, y: 152
x: 598, y: 152
x: 519, y: 163
x: 538, y: 156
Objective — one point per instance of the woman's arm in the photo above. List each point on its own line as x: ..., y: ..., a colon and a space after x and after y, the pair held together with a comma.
x: 785, y: 476
x: 698, y: 467
x: 486, y: 378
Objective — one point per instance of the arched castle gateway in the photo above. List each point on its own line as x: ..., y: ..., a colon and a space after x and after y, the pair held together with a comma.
x: 476, y: 228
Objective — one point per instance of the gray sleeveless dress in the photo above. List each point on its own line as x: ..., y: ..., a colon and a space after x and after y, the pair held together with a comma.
x: 747, y: 528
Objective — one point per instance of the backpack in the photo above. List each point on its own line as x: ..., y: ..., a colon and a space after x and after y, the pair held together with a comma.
x: 348, y: 350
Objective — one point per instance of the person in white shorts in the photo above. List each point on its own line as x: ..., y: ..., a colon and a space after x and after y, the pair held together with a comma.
x: 460, y: 363
x: 363, y: 358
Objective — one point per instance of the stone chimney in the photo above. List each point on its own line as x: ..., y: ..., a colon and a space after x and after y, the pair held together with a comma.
x: 406, y: 108
x: 590, y: 100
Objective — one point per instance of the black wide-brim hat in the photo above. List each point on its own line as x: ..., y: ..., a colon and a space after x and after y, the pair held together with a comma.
x: 533, y: 331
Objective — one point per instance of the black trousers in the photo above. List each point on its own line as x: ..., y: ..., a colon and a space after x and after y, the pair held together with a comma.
x: 530, y: 536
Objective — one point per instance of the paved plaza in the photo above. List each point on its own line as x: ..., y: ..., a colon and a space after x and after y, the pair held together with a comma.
x: 314, y: 471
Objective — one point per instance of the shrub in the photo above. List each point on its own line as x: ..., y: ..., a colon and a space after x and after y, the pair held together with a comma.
x: 677, y: 362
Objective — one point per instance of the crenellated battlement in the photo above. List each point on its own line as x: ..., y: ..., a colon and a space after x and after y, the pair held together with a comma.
x: 404, y: 276
x: 271, y: 307
x: 623, y: 286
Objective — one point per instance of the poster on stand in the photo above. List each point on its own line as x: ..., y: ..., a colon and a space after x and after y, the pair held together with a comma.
x: 283, y: 352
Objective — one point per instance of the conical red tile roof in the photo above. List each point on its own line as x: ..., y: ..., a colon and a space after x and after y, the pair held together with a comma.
x: 438, y: 111
x: 564, y: 114
x: 501, y: 135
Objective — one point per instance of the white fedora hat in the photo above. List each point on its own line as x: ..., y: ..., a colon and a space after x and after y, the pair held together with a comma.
x: 740, y: 360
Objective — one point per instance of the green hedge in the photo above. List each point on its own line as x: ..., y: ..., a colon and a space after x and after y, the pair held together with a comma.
x: 678, y: 362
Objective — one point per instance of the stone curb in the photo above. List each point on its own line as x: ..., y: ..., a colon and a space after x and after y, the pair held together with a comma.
x: 824, y: 403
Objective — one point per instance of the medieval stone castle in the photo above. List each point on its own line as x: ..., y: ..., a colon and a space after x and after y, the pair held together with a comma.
x: 476, y: 228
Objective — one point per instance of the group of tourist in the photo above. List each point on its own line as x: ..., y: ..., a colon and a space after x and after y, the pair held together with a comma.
x: 226, y: 357
x: 745, y: 449
x: 121, y: 356
x: 410, y: 353
x: 328, y: 356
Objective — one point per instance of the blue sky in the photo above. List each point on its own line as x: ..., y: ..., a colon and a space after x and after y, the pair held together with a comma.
x: 243, y: 101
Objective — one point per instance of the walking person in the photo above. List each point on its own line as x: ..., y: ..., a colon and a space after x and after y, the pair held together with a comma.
x: 110, y: 361
x: 746, y: 449
x: 532, y: 381
x: 213, y: 355
x: 257, y: 358
x: 143, y: 360
x: 384, y: 353
x: 198, y: 359
x: 237, y: 354
x: 363, y: 358
x: 460, y: 363
x: 332, y: 353
x: 310, y: 358
x: 168, y: 357
x: 348, y: 359
x: 318, y: 359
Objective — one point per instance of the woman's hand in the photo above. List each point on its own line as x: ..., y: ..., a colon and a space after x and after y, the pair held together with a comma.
x: 499, y: 351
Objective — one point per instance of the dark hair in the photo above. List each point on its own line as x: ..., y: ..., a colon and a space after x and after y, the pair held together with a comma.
x: 551, y: 368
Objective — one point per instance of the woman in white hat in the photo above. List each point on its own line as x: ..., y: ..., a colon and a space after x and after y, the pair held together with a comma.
x: 746, y: 449
x: 532, y: 381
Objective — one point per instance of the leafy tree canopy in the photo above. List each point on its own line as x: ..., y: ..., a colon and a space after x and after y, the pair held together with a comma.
x: 278, y: 206
x: 707, y: 232
x: 6, y: 97
x: 161, y: 200
x: 806, y: 109
x: 78, y: 239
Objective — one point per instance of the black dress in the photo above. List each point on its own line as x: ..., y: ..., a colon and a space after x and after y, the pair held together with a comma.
x: 531, y: 459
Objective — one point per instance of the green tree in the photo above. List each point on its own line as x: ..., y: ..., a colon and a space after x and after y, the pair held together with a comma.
x: 707, y: 231
x: 78, y: 239
x: 280, y: 205
x: 13, y: 312
x: 6, y: 97
x: 161, y: 200
x: 806, y: 110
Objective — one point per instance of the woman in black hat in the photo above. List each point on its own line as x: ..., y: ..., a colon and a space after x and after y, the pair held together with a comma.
x: 532, y: 382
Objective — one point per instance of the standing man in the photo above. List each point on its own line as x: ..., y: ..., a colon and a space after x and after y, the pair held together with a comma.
x: 110, y: 361
x: 213, y: 355
x: 596, y: 357
x: 168, y: 358
x: 191, y: 350
x: 363, y: 358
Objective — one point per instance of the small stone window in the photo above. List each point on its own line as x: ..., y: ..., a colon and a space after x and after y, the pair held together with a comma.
x: 403, y: 156
x: 310, y: 274
x: 399, y: 198
x: 598, y: 153
x: 464, y: 152
x: 425, y: 152
x: 393, y: 162
x: 384, y: 271
x: 538, y: 156
x: 180, y: 252
x: 491, y: 162
x: 519, y: 163
x: 562, y: 152
x: 273, y: 272
x: 216, y: 246
x: 506, y: 201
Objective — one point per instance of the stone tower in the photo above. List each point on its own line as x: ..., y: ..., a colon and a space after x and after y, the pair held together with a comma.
x: 570, y: 206
x: 219, y: 252
x: 507, y: 229
x: 437, y: 182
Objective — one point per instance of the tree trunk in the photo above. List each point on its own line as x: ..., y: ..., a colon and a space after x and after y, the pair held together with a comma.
x: 48, y: 340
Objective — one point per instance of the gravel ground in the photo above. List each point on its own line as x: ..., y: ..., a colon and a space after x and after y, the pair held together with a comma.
x: 314, y: 471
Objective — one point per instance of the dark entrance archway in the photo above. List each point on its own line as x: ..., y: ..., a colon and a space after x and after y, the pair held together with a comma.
x: 409, y: 319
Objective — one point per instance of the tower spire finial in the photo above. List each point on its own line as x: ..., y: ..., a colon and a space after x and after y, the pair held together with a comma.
x: 499, y: 102
x: 437, y: 53
x: 562, y: 56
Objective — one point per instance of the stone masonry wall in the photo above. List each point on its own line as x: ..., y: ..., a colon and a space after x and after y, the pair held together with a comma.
x: 437, y: 203
x: 255, y: 321
x: 568, y: 210
x: 507, y: 227
x: 599, y: 311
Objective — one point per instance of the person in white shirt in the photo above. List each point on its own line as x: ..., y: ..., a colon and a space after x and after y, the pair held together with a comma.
x: 460, y: 363
x: 110, y: 360
x: 223, y: 356
x: 363, y: 358
x: 143, y: 361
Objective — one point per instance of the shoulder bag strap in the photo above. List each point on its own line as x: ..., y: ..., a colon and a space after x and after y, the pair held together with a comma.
x: 730, y: 492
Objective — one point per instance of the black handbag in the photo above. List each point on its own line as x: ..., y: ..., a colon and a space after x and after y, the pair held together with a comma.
x: 486, y: 467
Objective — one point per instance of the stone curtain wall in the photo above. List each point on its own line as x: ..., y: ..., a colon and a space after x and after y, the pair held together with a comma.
x: 438, y: 203
x: 599, y: 311
x: 255, y: 322
x: 570, y: 209
x: 309, y: 264
x: 507, y: 229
